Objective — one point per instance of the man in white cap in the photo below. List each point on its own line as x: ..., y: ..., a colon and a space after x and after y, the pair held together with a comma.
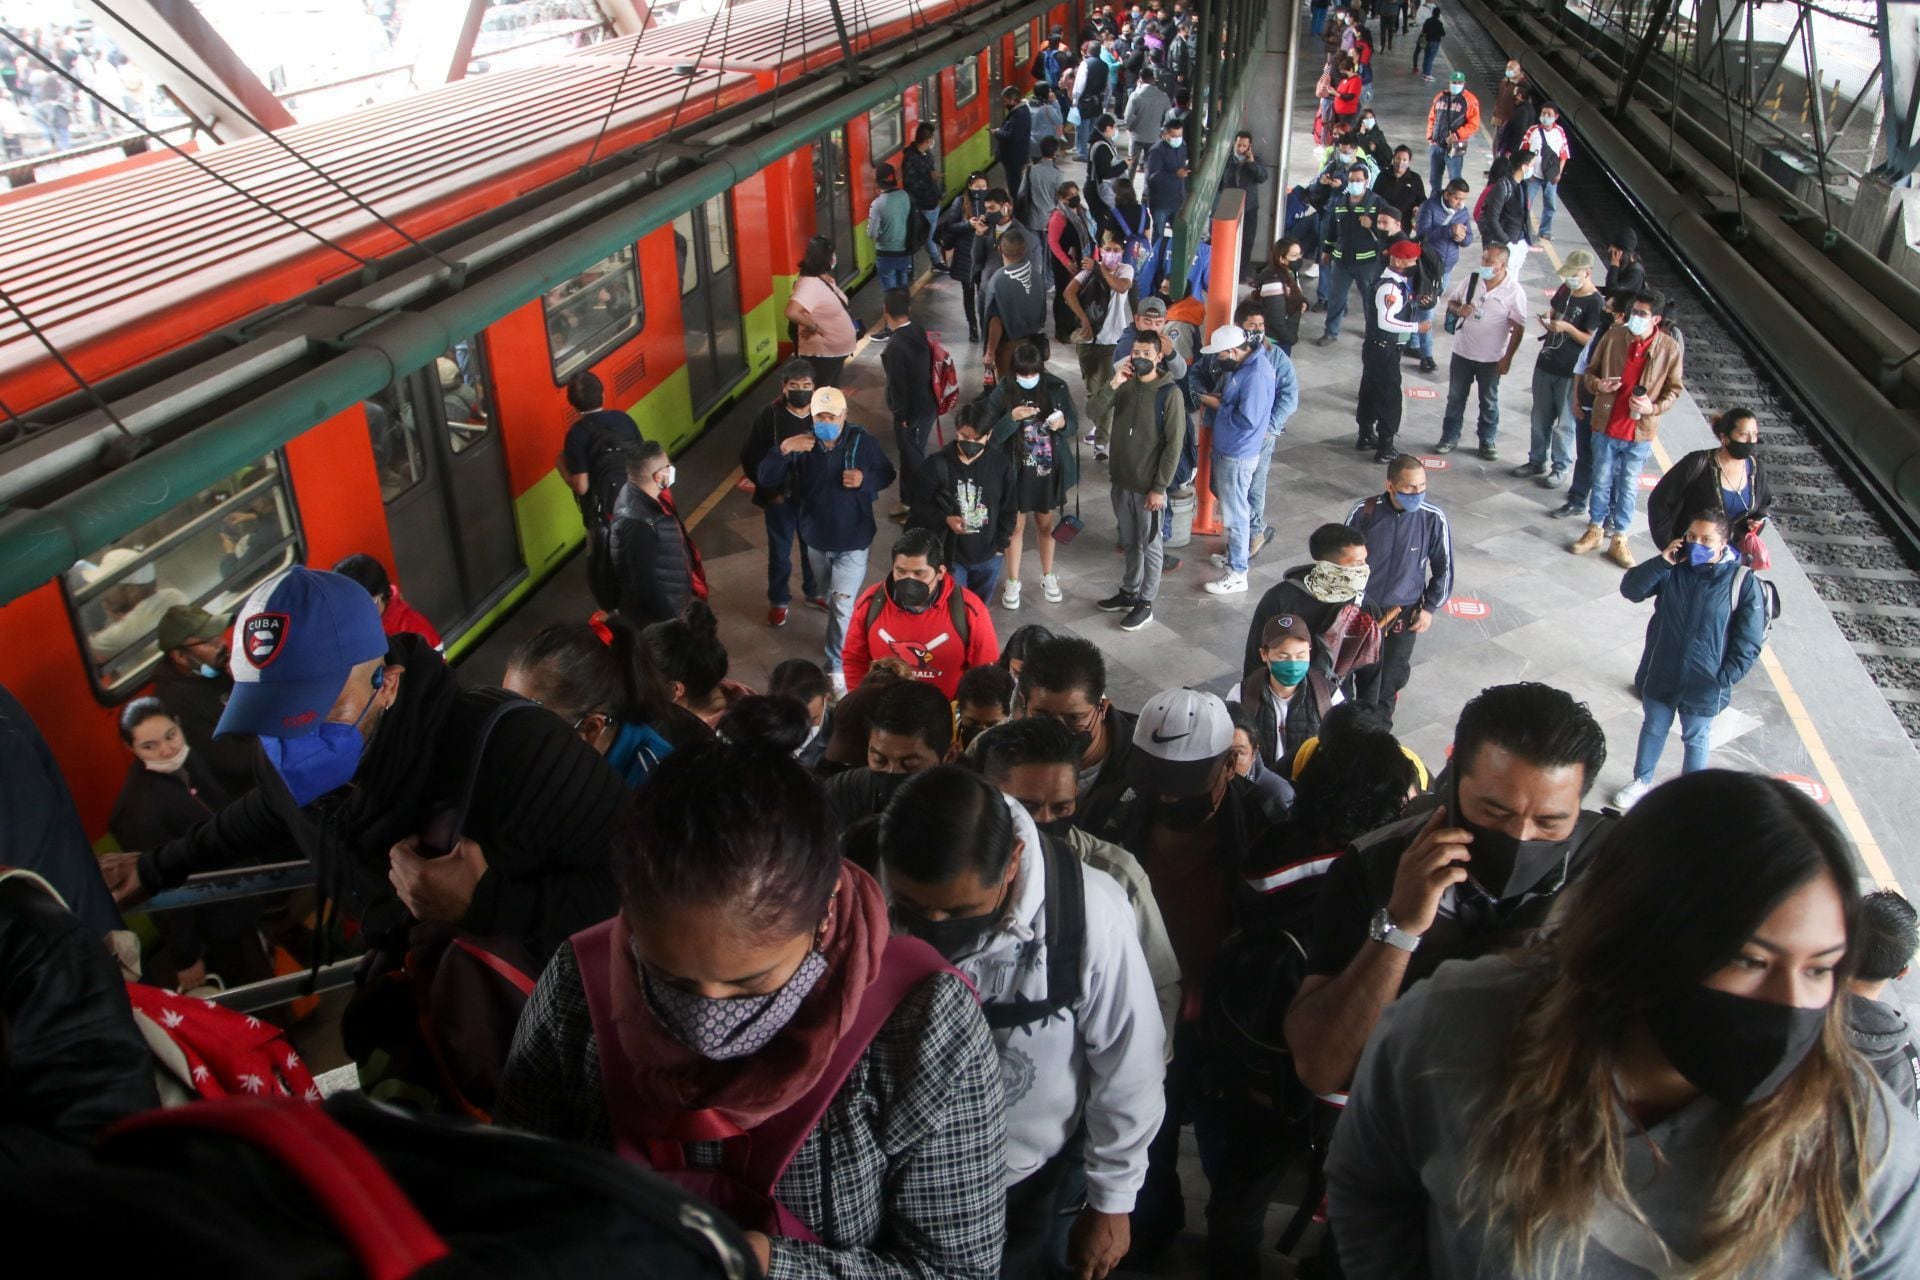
x: 130, y: 595
x: 1240, y: 413
x: 834, y: 476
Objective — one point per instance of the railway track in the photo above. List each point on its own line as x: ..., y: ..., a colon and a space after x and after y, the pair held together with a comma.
x: 1860, y: 560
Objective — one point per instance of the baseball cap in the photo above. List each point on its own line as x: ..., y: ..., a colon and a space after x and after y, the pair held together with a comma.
x: 1404, y: 250
x: 114, y: 563
x: 1180, y: 735
x: 1226, y: 338
x: 1151, y: 307
x: 1283, y: 626
x: 184, y: 623
x: 1458, y: 77
x: 294, y: 641
x: 1574, y: 263
x: 830, y: 400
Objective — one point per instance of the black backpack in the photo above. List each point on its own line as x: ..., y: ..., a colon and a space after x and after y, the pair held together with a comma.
x: 606, y: 477
x: 1426, y: 280
x: 1250, y: 986
x: 1065, y: 912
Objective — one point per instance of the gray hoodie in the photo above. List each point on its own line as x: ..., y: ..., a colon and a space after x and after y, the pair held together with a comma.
x: 1880, y: 1032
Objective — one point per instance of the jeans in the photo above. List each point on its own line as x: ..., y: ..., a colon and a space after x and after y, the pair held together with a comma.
x: 1463, y: 375
x: 1257, y: 490
x: 1540, y: 197
x: 1083, y: 134
x: 1319, y: 24
x: 1438, y: 162
x: 1232, y: 483
x: 894, y: 269
x: 1656, y: 718
x: 1582, y: 483
x: 1426, y: 65
x: 1422, y: 343
x: 933, y: 222
x: 783, y: 526
x: 1552, y: 419
x: 979, y: 578
x: 1140, y: 532
x: 843, y: 573
x: 1338, y: 278
x: 1616, y: 481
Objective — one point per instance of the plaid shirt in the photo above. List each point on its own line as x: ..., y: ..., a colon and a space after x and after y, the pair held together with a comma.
x: 913, y: 1183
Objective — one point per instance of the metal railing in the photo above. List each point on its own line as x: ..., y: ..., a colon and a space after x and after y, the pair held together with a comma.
x: 25, y: 171
x: 241, y: 883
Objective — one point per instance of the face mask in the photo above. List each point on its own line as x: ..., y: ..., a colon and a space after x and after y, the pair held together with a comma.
x: 1289, y: 672
x: 975, y: 197
x: 950, y: 937
x: 1410, y: 502
x: 827, y: 431
x: 1176, y: 143
x: 1188, y: 813
x: 1735, y: 1049
x: 813, y: 731
x: 1485, y: 273
x: 1503, y: 866
x: 213, y: 673
x: 1639, y: 326
x: 1356, y: 188
x: 798, y: 399
x: 1700, y: 555
x: 1082, y: 743
x: 174, y: 765
x: 1738, y: 450
x: 1258, y: 337
x: 1110, y: 258
x: 1336, y: 583
x: 721, y: 1028
x: 1456, y: 89
x: 1367, y: 122
x: 1513, y: 75
x: 1073, y: 202
x: 1058, y: 828
x: 1546, y: 122
x: 323, y: 761
x: 993, y: 219
x: 1141, y: 366
x: 1344, y: 157
x: 666, y: 478
x: 1027, y: 380
x: 969, y: 449
x: 911, y: 594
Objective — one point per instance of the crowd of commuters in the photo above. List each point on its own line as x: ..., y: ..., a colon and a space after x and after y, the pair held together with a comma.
x: 920, y: 962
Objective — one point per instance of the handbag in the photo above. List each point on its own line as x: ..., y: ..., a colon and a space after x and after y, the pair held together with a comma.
x: 1753, y: 549
x: 1068, y: 527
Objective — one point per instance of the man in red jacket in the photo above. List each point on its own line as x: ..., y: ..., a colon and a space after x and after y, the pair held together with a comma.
x: 917, y: 613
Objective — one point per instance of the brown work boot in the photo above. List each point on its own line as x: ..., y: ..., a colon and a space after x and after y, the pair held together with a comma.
x: 1588, y: 541
x: 1619, y: 552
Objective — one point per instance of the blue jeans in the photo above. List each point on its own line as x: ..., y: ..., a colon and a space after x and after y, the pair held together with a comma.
x: 1616, y: 481
x: 979, y: 578
x: 843, y: 573
x: 1338, y: 279
x: 1552, y: 420
x: 1421, y: 344
x: 783, y: 520
x: 1232, y: 483
x: 1656, y: 718
x: 1582, y: 461
x: 1426, y: 65
x: 933, y: 222
x: 894, y: 269
x: 1540, y: 196
x: 1462, y: 376
x: 1257, y: 490
x: 1438, y: 162
x: 1083, y: 135
x: 1319, y: 20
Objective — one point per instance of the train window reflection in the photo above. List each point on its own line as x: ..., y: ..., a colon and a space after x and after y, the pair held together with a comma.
x: 594, y: 312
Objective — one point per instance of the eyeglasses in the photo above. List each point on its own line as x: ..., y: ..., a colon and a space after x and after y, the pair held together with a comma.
x: 1082, y: 723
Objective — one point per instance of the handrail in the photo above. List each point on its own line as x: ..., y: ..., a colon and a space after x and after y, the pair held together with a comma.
x: 288, y: 987
x: 116, y: 142
x: 211, y: 887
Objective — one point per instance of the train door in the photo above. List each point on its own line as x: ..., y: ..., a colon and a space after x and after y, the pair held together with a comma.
x: 930, y: 114
x: 443, y: 477
x: 996, y: 76
x: 833, y: 198
x: 709, y: 300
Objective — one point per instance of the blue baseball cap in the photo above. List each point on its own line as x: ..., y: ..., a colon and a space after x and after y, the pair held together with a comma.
x: 295, y: 641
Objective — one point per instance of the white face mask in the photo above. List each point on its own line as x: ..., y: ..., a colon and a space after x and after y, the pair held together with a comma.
x: 666, y: 477
x: 1640, y: 326
x: 174, y: 765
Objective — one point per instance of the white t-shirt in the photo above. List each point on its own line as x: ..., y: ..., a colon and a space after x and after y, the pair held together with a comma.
x: 1119, y: 314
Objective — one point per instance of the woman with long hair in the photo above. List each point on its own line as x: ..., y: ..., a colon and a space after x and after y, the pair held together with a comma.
x: 1729, y: 476
x: 596, y: 676
x: 1661, y: 1087
x: 823, y: 326
x: 1282, y: 300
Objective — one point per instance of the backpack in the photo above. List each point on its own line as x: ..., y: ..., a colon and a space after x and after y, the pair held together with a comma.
x: 945, y: 377
x: 606, y: 477
x: 351, y: 1189
x: 1769, y: 599
x: 917, y: 229
x: 956, y: 610
x: 1250, y: 985
x: 1426, y: 279
x: 1065, y: 912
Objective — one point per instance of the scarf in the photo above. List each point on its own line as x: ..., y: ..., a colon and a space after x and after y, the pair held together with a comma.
x: 1336, y: 583
x: 698, y: 1099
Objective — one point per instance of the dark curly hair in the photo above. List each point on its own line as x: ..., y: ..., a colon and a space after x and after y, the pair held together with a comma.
x: 1355, y: 783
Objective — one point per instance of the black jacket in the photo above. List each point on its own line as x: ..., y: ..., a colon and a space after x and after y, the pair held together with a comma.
x: 649, y: 558
x: 920, y: 180
x: 1503, y: 218
x: 1277, y: 743
x: 1693, y: 486
x: 908, y: 362
x: 196, y: 701
x: 71, y: 1060
x: 1289, y: 595
x: 1013, y: 139
x: 955, y: 234
x: 153, y: 808
x: 1403, y: 191
x: 39, y: 828
x: 980, y: 492
x: 774, y: 423
x: 543, y: 815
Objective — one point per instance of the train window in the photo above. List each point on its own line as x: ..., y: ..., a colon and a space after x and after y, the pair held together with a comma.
x: 593, y: 313
x: 966, y: 81
x: 463, y: 395
x: 886, y: 130
x: 683, y: 254
x: 395, y: 432
x: 211, y: 550
x: 719, y: 235
x: 1023, y: 44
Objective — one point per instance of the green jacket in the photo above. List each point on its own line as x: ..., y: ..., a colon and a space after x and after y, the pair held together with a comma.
x: 1149, y: 424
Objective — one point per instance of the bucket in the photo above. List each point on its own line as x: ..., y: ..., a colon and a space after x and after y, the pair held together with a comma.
x: 1180, y: 505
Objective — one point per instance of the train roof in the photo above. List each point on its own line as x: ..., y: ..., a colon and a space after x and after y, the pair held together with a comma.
x: 789, y: 35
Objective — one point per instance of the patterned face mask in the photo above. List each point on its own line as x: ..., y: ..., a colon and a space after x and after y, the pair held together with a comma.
x: 722, y: 1028
x: 1332, y: 583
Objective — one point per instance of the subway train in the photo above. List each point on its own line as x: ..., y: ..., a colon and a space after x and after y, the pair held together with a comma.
x: 251, y: 294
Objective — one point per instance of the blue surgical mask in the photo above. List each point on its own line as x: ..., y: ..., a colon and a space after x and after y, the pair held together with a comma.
x: 1176, y: 142
x: 1639, y: 326
x: 827, y: 431
x: 208, y: 673
x: 1699, y: 554
x: 1485, y: 273
x: 323, y: 761
x: 1027, y: 380
x: 1289, y: 672
x: 1356, y: 188
x: 1410, y: 501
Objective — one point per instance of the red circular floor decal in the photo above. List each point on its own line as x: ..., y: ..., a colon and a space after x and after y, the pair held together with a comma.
x: 1468, y: 607
x: 1422, y: 393
x: 1434, y: 462
x: 1815, y: 790
x: 1648, y: 482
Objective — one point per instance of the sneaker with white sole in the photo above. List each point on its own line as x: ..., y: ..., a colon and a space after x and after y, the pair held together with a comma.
x: 1232, y: 584
x: 1218, y: 559
x: 1010, y: 594
x: 1137, y: 617
x: 1625, y: 797
x: 1050, y: 588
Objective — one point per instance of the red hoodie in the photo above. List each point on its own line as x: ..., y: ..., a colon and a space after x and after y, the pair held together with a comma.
x: 925, y: 641
x: 401, y: 616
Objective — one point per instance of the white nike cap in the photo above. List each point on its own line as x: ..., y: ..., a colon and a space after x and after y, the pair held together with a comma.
x: 1180, y: 735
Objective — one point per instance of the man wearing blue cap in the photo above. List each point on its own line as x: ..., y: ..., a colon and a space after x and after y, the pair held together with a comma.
x: 366, y: 739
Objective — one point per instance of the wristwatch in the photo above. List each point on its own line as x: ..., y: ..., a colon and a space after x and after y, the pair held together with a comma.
x: 1383, y: 929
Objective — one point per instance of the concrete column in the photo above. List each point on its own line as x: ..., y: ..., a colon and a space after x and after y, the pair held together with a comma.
x: 1269, y: 117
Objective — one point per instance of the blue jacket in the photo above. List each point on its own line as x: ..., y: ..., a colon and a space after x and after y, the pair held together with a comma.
x: 1433, y: 228
x: 1166, y: 189
x: 1246, y: 408
x: 1409, y: 553
x: 1700, y: 643
x: 831, y: 516
x: 1286, y: 388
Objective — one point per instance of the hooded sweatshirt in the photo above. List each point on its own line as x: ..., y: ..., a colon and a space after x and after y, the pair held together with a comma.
x: 928, y: 641
x: 1101, y: 1056
x: 1880, y: 1032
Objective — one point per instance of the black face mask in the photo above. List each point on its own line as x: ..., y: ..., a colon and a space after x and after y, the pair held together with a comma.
x: 1073, y: 202
x: 1058, y: 828
x: 884, y: 785
x: 1740, y: 450
x: 1188, y: 813
x: 952, y: 938
x: 993, y: 219
x: 910, y: 594
x: 798, y: 399
x: 1503, y: 867
x: 1735, y: 1049
x: 976, y: 198
x: 969, y: 449
x: 1141, y: 366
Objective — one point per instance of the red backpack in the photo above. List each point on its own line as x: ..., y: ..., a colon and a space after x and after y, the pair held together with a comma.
x: 946, y: 378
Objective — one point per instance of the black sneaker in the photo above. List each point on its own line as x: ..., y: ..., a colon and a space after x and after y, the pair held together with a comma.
x: 880, y: 335
x: 1385, y: 453
x: 1488, y: 453
x: 1137, y: 617
x: 1169, y: 562
x: 1427, y: 365
x: 1572, y: 506
x: 1118, y: 602
x: 1366, y: 441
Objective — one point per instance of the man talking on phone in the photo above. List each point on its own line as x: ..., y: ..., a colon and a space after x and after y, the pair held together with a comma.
x: 1460, y: 879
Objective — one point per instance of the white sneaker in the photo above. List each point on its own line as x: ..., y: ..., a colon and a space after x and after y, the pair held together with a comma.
x: 837, y: 681
x: 1229, y: 585
x: 1050, y: 588
x: 1010, y: 594
x: 1625, y: 797
x: 1309, y: 272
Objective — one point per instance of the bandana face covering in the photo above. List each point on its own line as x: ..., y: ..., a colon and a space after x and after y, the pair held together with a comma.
x: 723, y: 1028
x: 1336, y: 583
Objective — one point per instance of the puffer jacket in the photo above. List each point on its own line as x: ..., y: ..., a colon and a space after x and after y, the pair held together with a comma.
x: 1307, y: 707
x: 650, y: 558
x: 1699, y: 644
